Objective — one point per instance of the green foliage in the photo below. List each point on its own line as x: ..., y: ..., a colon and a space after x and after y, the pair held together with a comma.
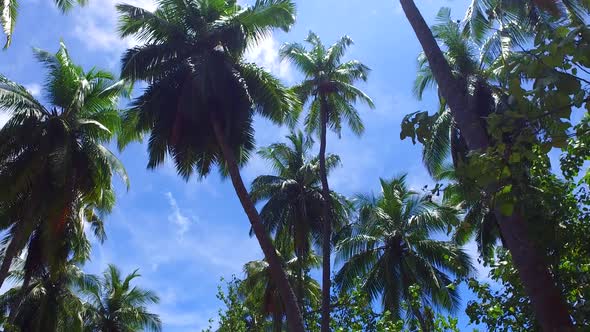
x: 54, y: 161
x: 71, y: 301
x: 351, y: 312
x: 237, y: 316
x: 49, y: 302
x: 390, y: 247
x: 562, y: 226
x: 292, y: 211
x: 260, y: 292
x: 113, y: 304
x: 328, y: 83
x: 199, y: 67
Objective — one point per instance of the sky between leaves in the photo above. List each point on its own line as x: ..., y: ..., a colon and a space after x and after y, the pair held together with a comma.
x: 185, y: 236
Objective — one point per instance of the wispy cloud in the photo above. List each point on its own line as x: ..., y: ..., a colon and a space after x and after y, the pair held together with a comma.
x: 196, y: 321
x: 177, y: 217
x: 4, y: 117
x: 211, y: 243
x: 266, y: 55
x: 96, y: 25
x: 34, y: 89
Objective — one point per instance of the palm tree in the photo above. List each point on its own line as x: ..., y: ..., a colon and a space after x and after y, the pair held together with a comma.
x: 53, y: 164
x: 114, y: 305
x: 547, y: 301
x: 260, y: 291
x: 201, y: 96
x: 391, y: 249
x: 329, y: 84
x: 445, y: 139
x: 9, y: 10
x: 293, y: 208
x: 53, y: 274
x: 50, y: 301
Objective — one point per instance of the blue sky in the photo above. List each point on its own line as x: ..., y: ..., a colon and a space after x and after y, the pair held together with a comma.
x: 185, y: 236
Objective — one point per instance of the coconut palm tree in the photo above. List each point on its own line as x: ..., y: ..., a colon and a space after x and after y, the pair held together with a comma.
x: 293, y: 198
x: 50, y: 302
x: 201, y: 96
x: 112, y: 304
x: 9, y: 10
x: 391, y: 249
x: 547, y: 301
x: 53, y: 274
x: 260, y: 291
x: 445, y: 140
x: 329, y: 87
x: 53, y: 164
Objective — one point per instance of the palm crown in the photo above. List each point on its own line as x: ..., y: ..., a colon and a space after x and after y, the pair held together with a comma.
x: 293, y: 198
x: 259, y: 290
x: 114, y: 305
x: 49, y: 301
x: 390, y: 249
x: 192, y: 61
x: 330, y: 81
x: 53, y: 162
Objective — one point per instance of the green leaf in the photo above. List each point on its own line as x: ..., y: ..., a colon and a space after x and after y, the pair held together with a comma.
x: 514, y: 158
x: 507, y: 208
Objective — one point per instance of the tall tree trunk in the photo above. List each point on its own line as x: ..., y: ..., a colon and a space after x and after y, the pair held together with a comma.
x: 300, y: 286
x: 294, y: 318
x: 548, y: 304
x: 327, y: 206
x: 277, y: 321
x: 301, y: 252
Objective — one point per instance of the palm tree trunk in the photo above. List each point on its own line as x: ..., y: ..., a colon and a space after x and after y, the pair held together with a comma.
x: 548, y: 304
x: 277, y: 321
x: 294, y: 318
x: 301, y: 252
x: 300, y: 286
x: 327, y: 236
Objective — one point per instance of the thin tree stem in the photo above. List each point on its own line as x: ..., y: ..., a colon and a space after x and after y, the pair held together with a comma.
x: 327, y: 229
x: 294, y: 318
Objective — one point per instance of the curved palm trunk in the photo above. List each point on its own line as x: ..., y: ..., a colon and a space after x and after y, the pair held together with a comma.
x: 327, y: 236
x: 277, y: 321
x: 548, y: 304
x: 300, y: 286
x: 294, y: 319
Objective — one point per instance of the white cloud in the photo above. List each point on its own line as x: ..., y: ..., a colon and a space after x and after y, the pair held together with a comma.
x: 96, y: 25
x: 196, y: 321
x: 266, y: 55
x: 207, y: 245
x: 4, y: 117
x: 176, y: 217
x: 34, y: 89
